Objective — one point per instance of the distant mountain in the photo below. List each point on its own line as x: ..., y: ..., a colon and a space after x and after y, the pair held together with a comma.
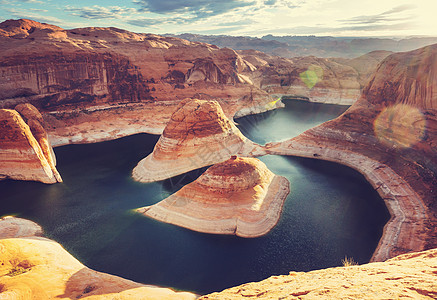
x: 293, y: 46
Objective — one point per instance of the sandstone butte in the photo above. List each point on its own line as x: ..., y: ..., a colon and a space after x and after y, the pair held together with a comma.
x: 240, y: 196
x: 25, y: 152
x: 390, y: 136
x: 94, y: 84
x: 198, y: 134
x: 33, y: 267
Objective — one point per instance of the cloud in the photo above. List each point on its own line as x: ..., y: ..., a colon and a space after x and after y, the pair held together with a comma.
x: 32, y: 1
x: 235, y: 23
x: 199, y: 8
x: 147, y: 22
x: 22, y: 13
x: 99, y: 12
x: 387, y: 16
x: 320, y: 30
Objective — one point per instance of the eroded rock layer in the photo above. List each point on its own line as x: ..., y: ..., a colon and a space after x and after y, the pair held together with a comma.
x: 197, y: 135
x: 390, y: 136
x: 240, y: 196
x: 25, y: 152
x: 409, y: 276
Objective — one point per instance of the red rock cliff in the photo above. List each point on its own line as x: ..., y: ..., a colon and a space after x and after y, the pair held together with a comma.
x: 390, y: 136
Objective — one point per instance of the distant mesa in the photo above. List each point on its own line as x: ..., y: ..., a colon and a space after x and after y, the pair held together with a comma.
x: 197, y: 135
x: 25, y: 152
x: 240, y: 196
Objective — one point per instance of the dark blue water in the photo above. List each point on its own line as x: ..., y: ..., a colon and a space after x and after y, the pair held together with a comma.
x: 331, y: 212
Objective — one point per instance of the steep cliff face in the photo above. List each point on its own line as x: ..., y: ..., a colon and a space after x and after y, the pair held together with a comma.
x: 25, y: 153
x: 198, y: 134
x: 239, y: 196
x: 78, y: 79
x: 389, y: 135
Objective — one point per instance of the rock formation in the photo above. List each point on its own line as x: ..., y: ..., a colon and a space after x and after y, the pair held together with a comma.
x: 240, y: 196
x: 389, y: 135
x: 338, y: 81
x: 94, y: 84
x: 85, y: 77
x: 38, y: 268
x: 197, y: 135
x: 410, y: 276
x: 11, y: 227
x: 26, y: 153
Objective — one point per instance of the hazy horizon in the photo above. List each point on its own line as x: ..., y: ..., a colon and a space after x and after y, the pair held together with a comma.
x: 253, y: 18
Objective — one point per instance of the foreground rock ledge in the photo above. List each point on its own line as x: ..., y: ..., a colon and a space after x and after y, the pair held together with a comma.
x: 38, y: 268
x: 198, y: 134
x: 409, y: 276
x: 240, y: 196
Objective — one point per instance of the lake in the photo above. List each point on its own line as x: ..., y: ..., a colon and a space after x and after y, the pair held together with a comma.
x: 331, y: 212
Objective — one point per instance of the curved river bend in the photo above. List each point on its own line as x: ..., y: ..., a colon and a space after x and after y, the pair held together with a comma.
x: 331, y: 212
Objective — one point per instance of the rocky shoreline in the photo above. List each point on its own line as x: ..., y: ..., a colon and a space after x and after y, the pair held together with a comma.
x: 35, y: 267
x: 404, y: 230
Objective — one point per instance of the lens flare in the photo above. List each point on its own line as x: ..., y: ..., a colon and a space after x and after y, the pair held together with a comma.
x: 311, y: 76
x: 272, y: 104
x: 400, y: 126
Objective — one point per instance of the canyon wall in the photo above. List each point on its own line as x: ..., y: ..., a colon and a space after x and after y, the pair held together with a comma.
x: 94, y: 84
x: 389, y: 135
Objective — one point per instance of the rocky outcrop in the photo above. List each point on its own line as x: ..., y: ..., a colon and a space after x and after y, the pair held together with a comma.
x: 240, y: 196
x: 410, y: 276
x: 389, y: 135
x: 197, y: 135
x: 11, y: 227
x: 26, y: 153
x: 38, y: 268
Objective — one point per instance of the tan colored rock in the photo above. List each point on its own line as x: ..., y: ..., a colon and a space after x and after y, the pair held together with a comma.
x: 25, y: 155
x: 11, y: 227
x: 240, y: 196
x: 38, y: 268
x: 197, y: 135
x: 409, y: 276
x: 390, y: 136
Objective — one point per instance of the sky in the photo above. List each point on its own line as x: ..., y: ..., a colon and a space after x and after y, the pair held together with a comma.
x: 377, y: 18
